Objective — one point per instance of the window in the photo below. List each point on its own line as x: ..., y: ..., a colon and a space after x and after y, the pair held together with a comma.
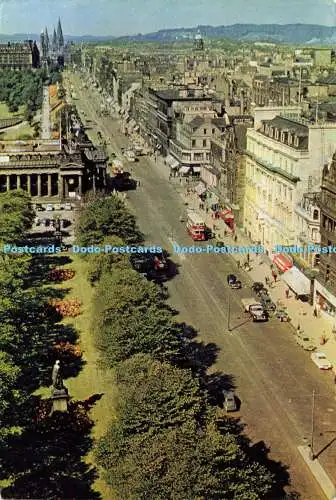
x: 204, y: 143
x: 296, y: 142
x: 205, y: 131
x: 213, y: 131
x: 316, y: 214
x: 193, y: 143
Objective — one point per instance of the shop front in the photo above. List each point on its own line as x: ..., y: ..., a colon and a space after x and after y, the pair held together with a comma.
x: 324, y: 299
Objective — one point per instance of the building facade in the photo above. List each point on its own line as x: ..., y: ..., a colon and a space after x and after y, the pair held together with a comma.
x: 284, y: 160
x: 325, y: 285
x: 44, y: 171
x: 191, y: 147
x: 19, y: 55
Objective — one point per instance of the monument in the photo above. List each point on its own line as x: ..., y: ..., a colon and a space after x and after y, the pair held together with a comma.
x: 59, y: 393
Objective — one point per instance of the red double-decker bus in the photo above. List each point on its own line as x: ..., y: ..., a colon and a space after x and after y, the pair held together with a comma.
x: 196, y: 226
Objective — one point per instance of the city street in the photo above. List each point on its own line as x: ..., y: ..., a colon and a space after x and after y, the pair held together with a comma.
x: 272, y: 376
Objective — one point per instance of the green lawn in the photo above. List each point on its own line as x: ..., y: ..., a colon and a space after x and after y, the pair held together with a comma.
x: 91, y: 379
x: 5, y: 113
x: 18, y: 132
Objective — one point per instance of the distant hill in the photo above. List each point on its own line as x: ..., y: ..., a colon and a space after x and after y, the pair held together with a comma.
x: 277, y: 33
x: 286, y: 33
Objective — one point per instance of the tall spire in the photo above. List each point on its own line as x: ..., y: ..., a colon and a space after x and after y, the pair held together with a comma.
x: 60, y: 38
x: 54, y: 41
x: 46, y: 41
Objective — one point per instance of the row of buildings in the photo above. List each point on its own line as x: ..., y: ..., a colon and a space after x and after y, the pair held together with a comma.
x: 260, y: 138
x: 256, y: 125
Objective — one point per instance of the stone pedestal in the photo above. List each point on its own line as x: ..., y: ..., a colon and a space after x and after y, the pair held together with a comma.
x: 60, y: 398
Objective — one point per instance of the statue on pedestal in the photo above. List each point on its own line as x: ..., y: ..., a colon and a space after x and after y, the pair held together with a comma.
x: 59, y: 393
x: 57, y: 381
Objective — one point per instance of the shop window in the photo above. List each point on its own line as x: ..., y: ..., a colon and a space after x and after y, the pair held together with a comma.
x: 205, y: 131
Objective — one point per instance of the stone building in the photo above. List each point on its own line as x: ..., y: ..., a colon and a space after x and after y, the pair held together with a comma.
x: 23, y: 55
x: 191, y: 146
x: 162, y: 107
x: 284, y: 160
x: 228, y: 157
x: 41, y: 169
x: 307, y: 220
x: 325, y: 285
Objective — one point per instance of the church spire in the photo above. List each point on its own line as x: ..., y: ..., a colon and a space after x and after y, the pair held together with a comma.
x: 60, y: 38
x: 54, y: 41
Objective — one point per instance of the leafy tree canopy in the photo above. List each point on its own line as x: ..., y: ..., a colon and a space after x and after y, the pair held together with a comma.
x: 107, y: 217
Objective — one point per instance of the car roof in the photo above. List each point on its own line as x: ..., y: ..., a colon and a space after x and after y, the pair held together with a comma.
x: 228, y: 393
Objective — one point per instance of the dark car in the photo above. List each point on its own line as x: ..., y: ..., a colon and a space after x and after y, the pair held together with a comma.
x: 141, y: 262
x: 233, y: 282
x: 267, y: 304
x: 257, y: 286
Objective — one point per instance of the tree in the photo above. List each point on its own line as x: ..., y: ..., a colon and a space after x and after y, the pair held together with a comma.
x: 16, y: 216
x: 10, y: 396
x: 155, y: 396
x: 131, y: 316
x: 107, y: 217
x: 176, y: 458
x: 106, y: 262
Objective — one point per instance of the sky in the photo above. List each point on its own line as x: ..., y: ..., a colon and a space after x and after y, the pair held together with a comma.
x: 125, y: 17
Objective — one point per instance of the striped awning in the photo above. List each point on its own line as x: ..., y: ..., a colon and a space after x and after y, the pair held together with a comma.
x: 283, y: 262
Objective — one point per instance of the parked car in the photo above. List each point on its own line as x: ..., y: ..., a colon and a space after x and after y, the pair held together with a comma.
x: 233, y: 282
x: 267, y: 303
x: 57, y: 206
x: 321, y: 361
x: 305, y: 342
x: 67, y: 206
x: 38, y: 207
x: 229, y: 403
x: 49, y: 207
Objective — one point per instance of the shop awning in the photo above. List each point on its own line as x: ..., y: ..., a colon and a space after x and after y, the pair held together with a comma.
x: 196, y: 170
x: 184, y: 170
x: 226, y: 214
x: 297, y: 281
x: 200, y: 189
x: 283, y: 262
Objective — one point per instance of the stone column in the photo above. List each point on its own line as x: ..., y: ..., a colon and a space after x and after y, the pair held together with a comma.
x: 49, y: 184
x: 18, y: 181
x: 29, y: 183
x: 60, y: 186
x: 39, y: 186
x: 7, y: 182
x: 80, y: 187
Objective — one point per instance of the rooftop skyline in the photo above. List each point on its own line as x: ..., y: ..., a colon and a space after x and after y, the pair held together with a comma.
x: 126, y: 17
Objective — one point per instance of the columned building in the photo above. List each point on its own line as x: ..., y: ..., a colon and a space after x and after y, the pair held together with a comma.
x: 52, y: 174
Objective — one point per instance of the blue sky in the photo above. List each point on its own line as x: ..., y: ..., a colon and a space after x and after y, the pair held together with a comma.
x: 119, y: 17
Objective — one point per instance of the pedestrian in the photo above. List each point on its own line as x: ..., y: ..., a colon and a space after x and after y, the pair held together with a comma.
x: 238, y: 263
x: 235, y: 238
x: 287, y: 293
x: 207, y: 210
x: 266, y: 281
x: 180, y: 180
x: 315, y: 312
x: 247, y: 258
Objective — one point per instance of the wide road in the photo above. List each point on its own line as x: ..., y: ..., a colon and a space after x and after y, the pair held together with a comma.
x: 273, y: 377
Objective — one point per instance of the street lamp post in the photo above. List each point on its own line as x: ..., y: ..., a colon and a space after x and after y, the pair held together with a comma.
x: 312, y: 456
x: 229, y: 313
